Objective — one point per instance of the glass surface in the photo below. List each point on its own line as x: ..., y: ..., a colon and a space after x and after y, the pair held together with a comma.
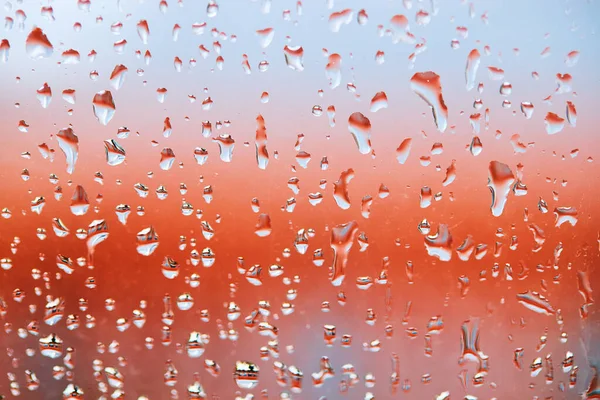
x: 299, y: 199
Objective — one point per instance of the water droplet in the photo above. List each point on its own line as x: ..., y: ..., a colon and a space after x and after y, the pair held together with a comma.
x: 147, y: 241
x: 117, y: 77
x: 535, y: 302
x: 571, y: 114
x: 475, y: 147
x: 294, y: 57
x: 505, y: 89
x: 69, y: 144
x: 379, y: 101
x: 246, y: 375
x: 400, y: 30
x: 226, y: 145
x: 265, y: 37
x: 263, y: 227
x: 473, y: 61
x: 51, y: 346
x: 37, y: 44
x: 167, y: 158
x: 342, y: 237
x: 79, y: 201
x: 104, y: 106
x: 427, y: 85
x: 527, y: 109
x: 572, y: 58
x: 340, y: 189
x: 450, y: 174
x: 554, y: 123
x: 500, y: 182
x: 212, y: 9
x: 4, y: 50
x: 97, y: 233
x: 262, y: 154
x: 360, y: 128
x: 115, y: 154
x: 362, y: 17
x: 439, y: 245
x: 565, y: 214
x: 339, y: 18
x: 496, y: 73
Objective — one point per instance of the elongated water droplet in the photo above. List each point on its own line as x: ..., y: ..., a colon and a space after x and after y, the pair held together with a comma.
x: 97, y: 233
x: 360, y: 128
x: 340, y: 189
x: 333, y: 69
x: 571, y: 114
x: 403, y: 151
x: 342, y: 237
x: 4, y: 50
x: 427, y: 85
x: 44, y: 95
x: 69, y: 144
x: 535, y: 302
x: 500, y: 182
x: 473, y: 61
x: 262, y: 154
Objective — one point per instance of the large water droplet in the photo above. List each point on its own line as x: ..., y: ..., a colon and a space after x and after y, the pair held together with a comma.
x: 333, y: 69
x: 262, y: 154
x: 342, y: 237
x: 428, y: 86
x: 360, y: 128
x: 147, y: 241
x: 104, y: 106
x: 379, y: 101
x: 245, y: 375
x: 340, y: 189
x: 79, y: 201
x: 500, y: 182
x: 115, y: 154
x: 473, y: 61
x: 69, y: 144
x: 554, y: 123
x: 339, y: 18
x: 44, y: 95
x: 294, y: 57
x: 37, y: 44
x: 117, y: 77
x: 439, y: 245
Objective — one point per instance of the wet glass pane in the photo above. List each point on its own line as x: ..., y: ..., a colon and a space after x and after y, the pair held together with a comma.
x: 281, y: 199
